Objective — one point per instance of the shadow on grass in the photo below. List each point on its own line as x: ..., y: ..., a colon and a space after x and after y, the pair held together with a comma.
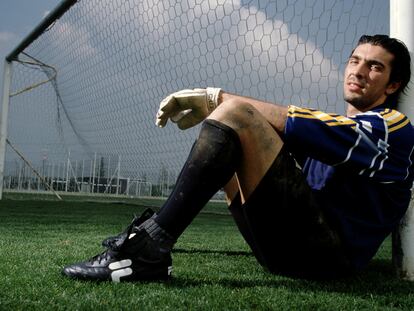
x: 378, y: 279
x: 209, y: 251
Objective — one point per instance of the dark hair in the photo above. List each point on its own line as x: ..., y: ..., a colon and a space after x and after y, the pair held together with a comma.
x: 401, y: 64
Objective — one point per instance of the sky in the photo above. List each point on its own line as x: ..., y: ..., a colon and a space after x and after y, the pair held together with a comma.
x: 17, y: 19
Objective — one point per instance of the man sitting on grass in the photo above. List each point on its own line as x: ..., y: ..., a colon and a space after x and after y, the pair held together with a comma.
x: 325, y: 219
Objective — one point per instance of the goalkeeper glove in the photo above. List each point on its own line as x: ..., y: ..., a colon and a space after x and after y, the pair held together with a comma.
x: 187, y: 107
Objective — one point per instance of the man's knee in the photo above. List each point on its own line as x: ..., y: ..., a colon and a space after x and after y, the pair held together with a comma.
x: 236, y: 114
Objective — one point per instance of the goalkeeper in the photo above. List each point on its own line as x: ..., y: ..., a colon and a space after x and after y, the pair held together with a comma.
x: 314, y: 194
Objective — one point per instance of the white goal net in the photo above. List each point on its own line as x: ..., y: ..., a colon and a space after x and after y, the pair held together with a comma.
x: 84, y: 94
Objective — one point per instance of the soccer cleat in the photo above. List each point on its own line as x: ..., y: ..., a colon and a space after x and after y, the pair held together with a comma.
x: 114, y: 242
x: 132, y: 256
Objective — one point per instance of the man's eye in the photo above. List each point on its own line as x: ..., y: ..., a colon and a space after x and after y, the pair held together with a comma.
x: 376, y: 67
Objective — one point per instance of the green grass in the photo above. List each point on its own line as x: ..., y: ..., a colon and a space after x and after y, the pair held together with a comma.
x: 213, y: 267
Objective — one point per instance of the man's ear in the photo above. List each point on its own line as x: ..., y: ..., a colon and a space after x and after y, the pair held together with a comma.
x: 392, y: 87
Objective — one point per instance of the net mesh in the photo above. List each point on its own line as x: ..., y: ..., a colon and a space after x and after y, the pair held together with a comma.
x: 106, y: 65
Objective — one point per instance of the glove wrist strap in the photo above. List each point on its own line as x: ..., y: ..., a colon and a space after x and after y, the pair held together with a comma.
x: 212, y: 98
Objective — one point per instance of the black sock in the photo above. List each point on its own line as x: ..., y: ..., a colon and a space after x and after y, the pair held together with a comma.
x: 210, y: 165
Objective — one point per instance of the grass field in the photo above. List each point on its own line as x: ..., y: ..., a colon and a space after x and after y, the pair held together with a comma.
x: 213, y: 267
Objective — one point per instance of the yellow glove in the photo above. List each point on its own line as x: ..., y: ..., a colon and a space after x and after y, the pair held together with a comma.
x: 187, y: 107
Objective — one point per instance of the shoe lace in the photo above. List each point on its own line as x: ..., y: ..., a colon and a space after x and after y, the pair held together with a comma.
x: 102, y: 256
x: 115, y: 242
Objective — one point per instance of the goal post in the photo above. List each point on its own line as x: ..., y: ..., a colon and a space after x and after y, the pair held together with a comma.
x: 7, y: 76
x: 43, y: 26
x: 402, y: 27
x: 4, y: 113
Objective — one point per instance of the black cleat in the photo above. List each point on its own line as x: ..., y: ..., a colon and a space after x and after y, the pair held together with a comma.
x: 131, y: 256
x: 114, y: 242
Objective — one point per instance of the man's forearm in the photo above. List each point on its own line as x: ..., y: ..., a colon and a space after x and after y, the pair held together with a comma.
x: 275, y: 114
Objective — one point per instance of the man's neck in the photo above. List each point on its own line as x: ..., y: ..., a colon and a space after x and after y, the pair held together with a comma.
x: 351, y: 110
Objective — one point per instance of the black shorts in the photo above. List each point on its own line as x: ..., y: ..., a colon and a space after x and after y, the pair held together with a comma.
x: 286, y: 229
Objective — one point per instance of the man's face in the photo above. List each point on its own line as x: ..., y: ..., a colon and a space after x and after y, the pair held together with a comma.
x: 366, y: 79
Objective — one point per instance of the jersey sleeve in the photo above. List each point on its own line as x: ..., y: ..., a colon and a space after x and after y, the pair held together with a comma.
x: 376, y: 143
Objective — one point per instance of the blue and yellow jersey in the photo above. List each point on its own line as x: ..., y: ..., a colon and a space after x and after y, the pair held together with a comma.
x: 377, y: 144
x: 360, y: 169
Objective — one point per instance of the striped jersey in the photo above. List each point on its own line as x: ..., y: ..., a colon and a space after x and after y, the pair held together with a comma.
x: 359, y: 168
